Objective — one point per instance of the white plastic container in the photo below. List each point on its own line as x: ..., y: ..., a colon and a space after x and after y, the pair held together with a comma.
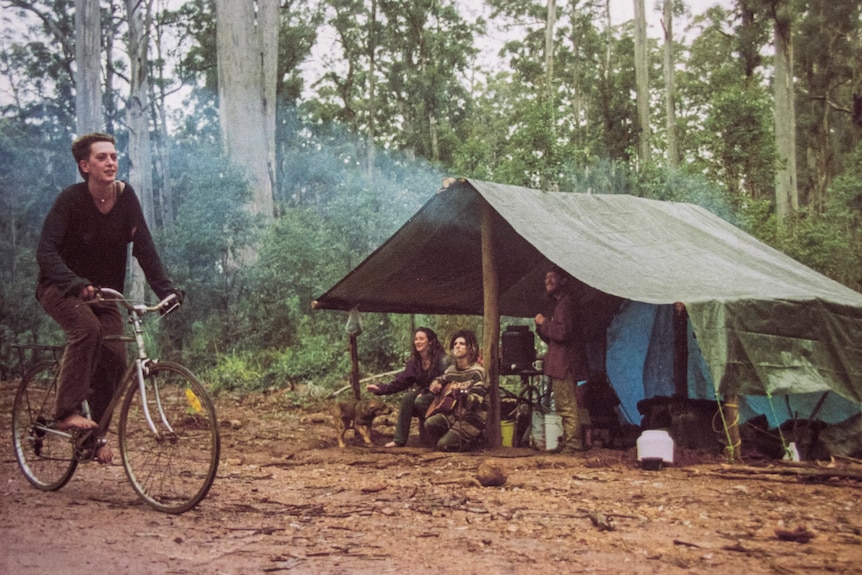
x: 655, y: 447
x: 791, y: 453
x: 537, y: 430
x: 553, y: 431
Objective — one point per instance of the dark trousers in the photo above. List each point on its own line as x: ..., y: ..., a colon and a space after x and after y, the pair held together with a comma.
x: 413, y: 403
x: 90, y: 368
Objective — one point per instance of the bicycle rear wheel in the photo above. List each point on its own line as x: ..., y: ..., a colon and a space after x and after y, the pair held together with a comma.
x: 173, y: 468
x: 46, y: 458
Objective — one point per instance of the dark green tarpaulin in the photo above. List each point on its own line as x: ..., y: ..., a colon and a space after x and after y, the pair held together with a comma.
x: 766, y: 324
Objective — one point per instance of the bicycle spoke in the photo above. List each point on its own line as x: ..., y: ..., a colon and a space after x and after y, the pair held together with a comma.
x: 45, y: 457
x: 173, y: 467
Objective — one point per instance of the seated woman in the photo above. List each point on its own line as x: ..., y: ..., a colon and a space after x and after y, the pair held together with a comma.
x: 427, y: 362
x: 456, y: 419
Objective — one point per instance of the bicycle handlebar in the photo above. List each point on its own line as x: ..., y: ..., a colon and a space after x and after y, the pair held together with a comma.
x: 166, y: 306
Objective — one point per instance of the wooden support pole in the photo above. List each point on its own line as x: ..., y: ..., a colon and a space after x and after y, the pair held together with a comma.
x: 491, y: 326
x: 731, y: 418
x: 354, y: 366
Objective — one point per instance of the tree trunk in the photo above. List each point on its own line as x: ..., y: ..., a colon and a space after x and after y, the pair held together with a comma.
x: 608, y: 39
x: 137, y: 117
x: 88, y: 49
x: 642, y: 81
x: 578, y: 101
x: 161, y: 149
x: 247, y: 46
x: 549, y: 49
x: 370, y: 146
x: 786, y: 189
x: 670, y: 87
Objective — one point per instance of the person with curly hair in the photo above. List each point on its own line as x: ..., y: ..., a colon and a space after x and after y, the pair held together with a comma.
x: 426, y: 363
x: 456, y: 418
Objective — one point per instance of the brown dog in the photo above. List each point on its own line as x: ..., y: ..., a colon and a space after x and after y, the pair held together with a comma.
x: 357, y: 415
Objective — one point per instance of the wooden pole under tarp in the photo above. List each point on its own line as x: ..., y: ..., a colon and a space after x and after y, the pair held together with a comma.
x: 491, y: 326
x: 731, y: 421
x: 354, y: 365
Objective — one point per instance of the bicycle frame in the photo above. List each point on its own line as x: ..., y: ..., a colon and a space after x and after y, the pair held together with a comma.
x: 139, y: 368
x: 136, y: 371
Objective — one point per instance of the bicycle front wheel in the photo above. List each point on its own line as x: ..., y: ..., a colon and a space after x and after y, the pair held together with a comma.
x: 46, y: 457
x: 172, y: 467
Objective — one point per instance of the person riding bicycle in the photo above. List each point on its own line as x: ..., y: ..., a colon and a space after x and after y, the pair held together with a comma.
x: 83, y: 246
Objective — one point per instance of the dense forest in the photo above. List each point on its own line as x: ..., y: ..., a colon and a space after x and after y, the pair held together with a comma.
x: 276, y: 143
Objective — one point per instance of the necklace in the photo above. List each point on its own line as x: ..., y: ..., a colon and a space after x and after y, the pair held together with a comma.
x: 111, y: 194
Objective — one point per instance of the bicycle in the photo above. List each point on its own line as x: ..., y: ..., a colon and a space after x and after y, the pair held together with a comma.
x: 168, y: 432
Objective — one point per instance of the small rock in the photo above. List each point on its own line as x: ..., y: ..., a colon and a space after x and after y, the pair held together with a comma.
x: 491, y: 474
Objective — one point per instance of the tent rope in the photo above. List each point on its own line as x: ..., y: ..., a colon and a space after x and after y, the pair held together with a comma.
x: 787, y: 453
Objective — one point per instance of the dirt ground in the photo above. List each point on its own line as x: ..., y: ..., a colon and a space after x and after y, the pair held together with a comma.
x: 287, y: 499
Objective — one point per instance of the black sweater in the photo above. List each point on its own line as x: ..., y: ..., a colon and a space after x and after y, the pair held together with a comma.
x: 80, y: 245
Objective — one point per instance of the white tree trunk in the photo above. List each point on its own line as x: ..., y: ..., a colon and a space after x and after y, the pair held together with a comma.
x: 550, y: 23
x: 642, y: 81
x: 138, y: 13
x: 88, y: 81
x: 670, y: 87
x: 370, y: 145
x: 786, y: 190
x: 247, y: 45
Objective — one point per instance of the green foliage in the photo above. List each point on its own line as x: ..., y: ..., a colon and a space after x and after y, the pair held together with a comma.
x: 300, y: 255
x: 248, y: 322
x: 740, y: 140
x: 24, y: 201
x: 233, y: 372
x: 205, y: 246
x: 828, y: 130
x: 815, y: 241
x: 314, y: 361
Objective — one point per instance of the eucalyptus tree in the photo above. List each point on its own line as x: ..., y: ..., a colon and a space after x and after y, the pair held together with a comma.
x: 425, y: 49
x: 588, y: 115
x: 88, y: 84
x: 668, y: 8
x: 725, y: 111
x: 828, y: 71
x: 247, y: 47
x: 786, y: 184
x: 194, y: 25
x: 39, y: 64
x: 642, y: 82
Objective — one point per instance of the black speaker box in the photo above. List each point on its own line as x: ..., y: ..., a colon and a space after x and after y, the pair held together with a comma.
x: 519, y: 350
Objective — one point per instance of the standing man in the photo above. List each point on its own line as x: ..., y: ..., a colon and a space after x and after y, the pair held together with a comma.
x: 566, y: 360
x: 83, y: 246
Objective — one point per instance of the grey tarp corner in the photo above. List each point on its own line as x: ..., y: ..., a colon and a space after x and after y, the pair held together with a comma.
x: 765, y: 323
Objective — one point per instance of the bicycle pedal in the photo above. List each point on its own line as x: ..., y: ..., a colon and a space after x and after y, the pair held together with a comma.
x: 86, y: 452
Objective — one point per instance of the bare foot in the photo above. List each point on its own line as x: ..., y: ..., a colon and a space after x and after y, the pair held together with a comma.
x: 76, y: 421
x: 392, y: 444
x: 104, y: 454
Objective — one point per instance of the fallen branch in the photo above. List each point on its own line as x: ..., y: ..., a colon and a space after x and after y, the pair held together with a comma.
x: 363, y: 380
x: 256, y: 530
x: 846, y: 458
x: 800, y: 472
